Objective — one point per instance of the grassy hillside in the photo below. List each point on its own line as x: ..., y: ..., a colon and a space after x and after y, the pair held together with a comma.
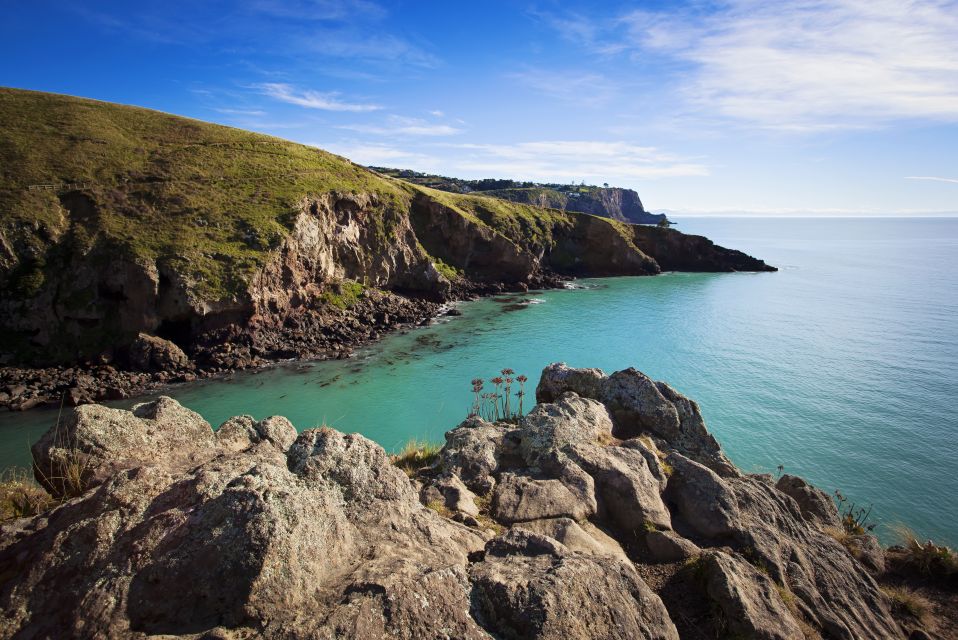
x: 116, y: 220
x: 167, y: 187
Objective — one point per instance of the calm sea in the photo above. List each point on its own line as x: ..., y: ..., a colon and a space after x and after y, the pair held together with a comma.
x: 842, y: 367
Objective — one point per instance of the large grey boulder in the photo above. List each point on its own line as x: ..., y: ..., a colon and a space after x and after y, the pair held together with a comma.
x: 704, y: 503
x: 639, y: 405
x: 832, y: 589
x: 518, y: 498
x: 627, y: 491
x: 749, y: 600
x: 152, y: 353
x: 95, y: 442
x: 668, y: 546
x: 531, y: 586
x: 472, y: 453
x: 816, y: 505
x: 240, y: 432
x: 327, y: 541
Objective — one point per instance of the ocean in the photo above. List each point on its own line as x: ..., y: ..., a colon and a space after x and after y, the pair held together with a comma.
x: 842, y: 367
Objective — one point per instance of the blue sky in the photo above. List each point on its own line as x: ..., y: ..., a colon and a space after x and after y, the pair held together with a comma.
x: 824, y: 106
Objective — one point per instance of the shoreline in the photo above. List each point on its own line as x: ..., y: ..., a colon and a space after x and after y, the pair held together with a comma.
x: 374, y: 317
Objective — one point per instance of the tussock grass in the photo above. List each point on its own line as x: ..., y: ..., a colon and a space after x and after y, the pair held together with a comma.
x: 926, y: 559
x: 21, y: 496
x: 907, y: 602
x: 416, y: 455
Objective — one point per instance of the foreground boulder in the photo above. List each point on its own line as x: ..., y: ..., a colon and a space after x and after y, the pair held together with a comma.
x: 609, y: 512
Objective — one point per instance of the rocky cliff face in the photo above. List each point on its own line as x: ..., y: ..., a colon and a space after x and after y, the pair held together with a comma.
x: 609, y: 512
x: 616, y: 203
x: 99, y: 298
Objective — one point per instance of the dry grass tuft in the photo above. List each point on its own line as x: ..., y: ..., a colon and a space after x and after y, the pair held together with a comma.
x: 439, y: 507
x: 928, y: 559
x: 21, y: 496
x: 607, y: 439
x: 907, y: 602
x: 416, y: 455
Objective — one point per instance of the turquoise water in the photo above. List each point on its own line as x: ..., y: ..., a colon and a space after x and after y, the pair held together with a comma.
x: 842, y: 367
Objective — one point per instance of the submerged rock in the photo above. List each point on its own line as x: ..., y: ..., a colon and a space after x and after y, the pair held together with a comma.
x: 542, y: 529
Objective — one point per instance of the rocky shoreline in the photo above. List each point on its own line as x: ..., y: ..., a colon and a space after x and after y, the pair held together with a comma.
x: 153, y: 363
x: 609, y: 511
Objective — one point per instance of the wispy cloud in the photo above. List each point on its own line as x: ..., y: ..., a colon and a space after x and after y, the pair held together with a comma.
x: 582, y: 87
x: 241, y: 112
x: 319, y: 10
x: 313, y: 99
x: 807, y: 65
x: 932, y: 178
x: 401, y: 126
x: 564, y: 161
x: 382, y: 155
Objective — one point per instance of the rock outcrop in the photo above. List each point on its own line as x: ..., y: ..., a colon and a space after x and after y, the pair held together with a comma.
x: 608, y: 512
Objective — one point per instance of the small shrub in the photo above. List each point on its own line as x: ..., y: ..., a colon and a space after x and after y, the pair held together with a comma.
x: 416, y: 455
x: 342, y: 295
x: 840, y: 535
x: 906, y: 602
x: 448, y: 271
x: 605, y: 439
x: 695, y: 568
x: 21, y: 496
x: 854, y: 518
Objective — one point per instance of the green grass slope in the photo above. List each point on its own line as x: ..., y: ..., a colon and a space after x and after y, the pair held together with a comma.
x: 168, y: 188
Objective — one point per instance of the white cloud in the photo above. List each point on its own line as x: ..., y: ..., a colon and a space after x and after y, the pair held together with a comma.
x: 437, y: 113
x: 565, y: 161
x: 312, y: 99
x: 932, y: 178
x: 804, y: 65
x: 400, y: 126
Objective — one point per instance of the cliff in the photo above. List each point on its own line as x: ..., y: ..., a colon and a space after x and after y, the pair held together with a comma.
x: 611, y: 202
x: 609, y: 511
x: 619, y: 204
x: 120, y: 225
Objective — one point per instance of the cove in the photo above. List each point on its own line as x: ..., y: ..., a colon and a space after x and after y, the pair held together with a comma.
x: 840, y: 368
